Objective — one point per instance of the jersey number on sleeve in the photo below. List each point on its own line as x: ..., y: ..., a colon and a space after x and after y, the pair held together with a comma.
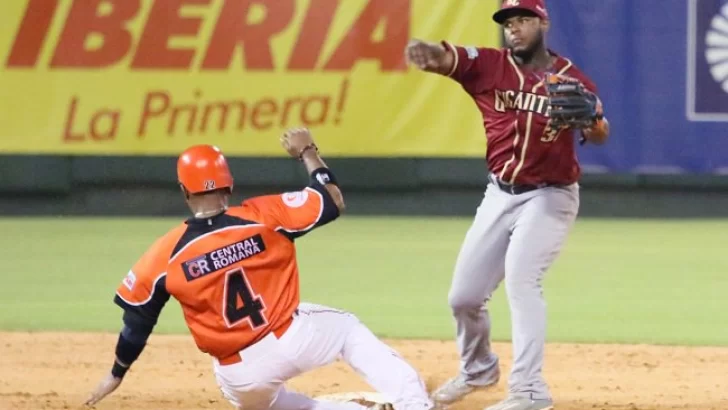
x: 240, y: 301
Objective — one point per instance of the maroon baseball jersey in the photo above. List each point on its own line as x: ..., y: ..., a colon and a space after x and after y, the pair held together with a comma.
x: 522, y: 147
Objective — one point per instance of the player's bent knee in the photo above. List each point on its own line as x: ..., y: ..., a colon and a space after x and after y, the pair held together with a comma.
x: 255, y: 396
x: 258, y: 399
x: 464, y: 304
x: 232, y: 398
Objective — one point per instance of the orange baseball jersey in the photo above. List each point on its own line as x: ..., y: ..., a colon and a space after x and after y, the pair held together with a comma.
x: 235, y: 275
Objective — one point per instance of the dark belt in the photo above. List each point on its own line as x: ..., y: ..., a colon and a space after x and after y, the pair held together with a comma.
x: 518, y: 189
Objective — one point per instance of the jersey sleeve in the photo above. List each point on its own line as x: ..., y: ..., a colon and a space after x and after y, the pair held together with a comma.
x: 475, y: 67
x: 297, y: 213
x: 143, y: 291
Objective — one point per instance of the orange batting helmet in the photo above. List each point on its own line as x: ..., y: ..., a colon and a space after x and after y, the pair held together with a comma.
x: 203, y: 168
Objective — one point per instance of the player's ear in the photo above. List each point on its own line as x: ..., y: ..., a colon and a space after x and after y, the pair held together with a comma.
x: 545, y: 25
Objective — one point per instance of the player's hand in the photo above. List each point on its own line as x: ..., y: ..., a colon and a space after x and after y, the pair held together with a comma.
x: 104, y: 388
x: 425, y: 56
x: 295, y: 140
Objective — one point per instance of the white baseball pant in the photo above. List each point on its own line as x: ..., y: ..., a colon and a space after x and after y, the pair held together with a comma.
x: 317, y: 337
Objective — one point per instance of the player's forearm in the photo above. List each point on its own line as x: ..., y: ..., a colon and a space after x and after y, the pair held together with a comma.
x: 446, y: 62
x: 127, y: 353
x: 313, y: 162
x: 599, y: 133
x: 131, y: 342
x: 431, y: 57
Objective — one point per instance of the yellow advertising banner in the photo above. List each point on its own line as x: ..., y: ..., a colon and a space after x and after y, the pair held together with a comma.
x: 151, y: 77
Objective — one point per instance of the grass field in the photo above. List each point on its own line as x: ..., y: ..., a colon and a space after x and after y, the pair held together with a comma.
x: 617, y: 281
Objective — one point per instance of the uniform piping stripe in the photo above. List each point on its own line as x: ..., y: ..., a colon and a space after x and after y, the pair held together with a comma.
x: 211, y: 233
x: 515, y: 143
x: 151, y: 294
x: 521, y: 82
x: 529, y: 122
x: 521, y: 79
x: 457, y: 59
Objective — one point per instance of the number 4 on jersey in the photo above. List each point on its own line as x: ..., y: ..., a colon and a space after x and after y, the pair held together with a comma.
x: 237, y: 289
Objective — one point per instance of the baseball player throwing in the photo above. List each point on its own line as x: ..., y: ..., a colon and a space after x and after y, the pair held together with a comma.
x: 532, y: 100
x: 234, y: 272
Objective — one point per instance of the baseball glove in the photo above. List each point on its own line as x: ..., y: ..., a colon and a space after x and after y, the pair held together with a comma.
x: 571, y: 104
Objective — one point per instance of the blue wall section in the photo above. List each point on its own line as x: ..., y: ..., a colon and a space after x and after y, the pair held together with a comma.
x: 637, y: 53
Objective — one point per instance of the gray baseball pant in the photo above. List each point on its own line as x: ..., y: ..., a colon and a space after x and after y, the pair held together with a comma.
x: 516, y: 238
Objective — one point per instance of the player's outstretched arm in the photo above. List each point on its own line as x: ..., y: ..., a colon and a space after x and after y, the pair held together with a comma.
x: 132, y: 339
x: 430, y: 57
x: 299, y: 144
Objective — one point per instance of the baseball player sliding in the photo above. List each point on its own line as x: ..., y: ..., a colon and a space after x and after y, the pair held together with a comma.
x: 234, y: 272
x: 532, y: 100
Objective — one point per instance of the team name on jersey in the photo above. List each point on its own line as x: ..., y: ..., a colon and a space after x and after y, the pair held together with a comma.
x: 519, y: 100
x: 223, y: 257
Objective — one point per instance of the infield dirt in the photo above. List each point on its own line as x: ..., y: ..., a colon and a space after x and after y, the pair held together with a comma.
x: 58, y: 370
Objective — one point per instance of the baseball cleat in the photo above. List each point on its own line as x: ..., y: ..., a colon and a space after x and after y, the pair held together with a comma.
x: 457, y: 388
x: 522, y: 403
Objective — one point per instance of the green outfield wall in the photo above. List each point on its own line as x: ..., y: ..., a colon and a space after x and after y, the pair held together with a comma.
x: 109, y: 185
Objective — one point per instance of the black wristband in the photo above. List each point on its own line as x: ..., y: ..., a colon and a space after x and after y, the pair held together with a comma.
x: 118, y: 370
x: 323, y: 176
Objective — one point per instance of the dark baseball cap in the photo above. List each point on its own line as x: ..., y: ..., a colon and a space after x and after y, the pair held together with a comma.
x: 511, y: 7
